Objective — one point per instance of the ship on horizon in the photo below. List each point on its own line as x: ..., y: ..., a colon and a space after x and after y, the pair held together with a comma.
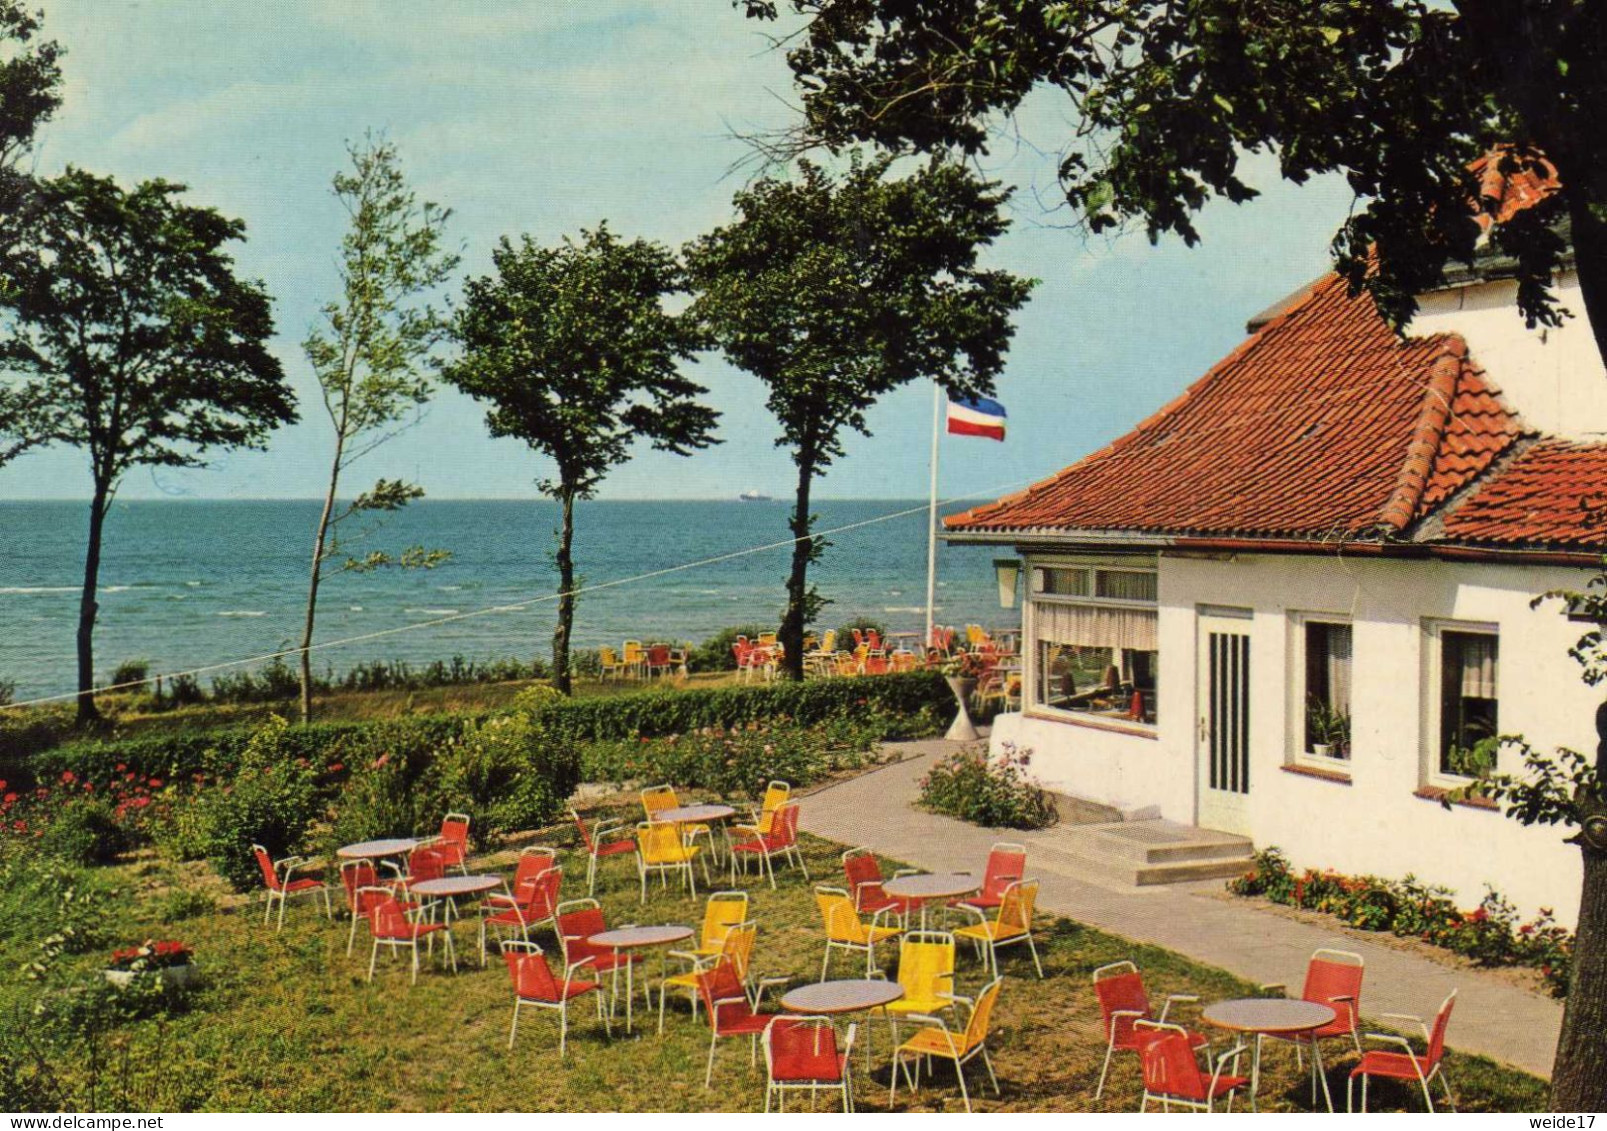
x: 754, y: 496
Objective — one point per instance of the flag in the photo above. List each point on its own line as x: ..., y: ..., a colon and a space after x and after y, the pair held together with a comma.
x: 976, y: 416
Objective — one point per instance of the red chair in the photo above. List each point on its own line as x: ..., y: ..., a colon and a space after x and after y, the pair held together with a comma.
x: 1172, y: 1074
x: 279, y: 886
x: 398, y: 926
x: 578, y: 920
x: 533, y: 903
x: 534, y: 984
x: 452, y: 845
x: 748, y: 843
x: 1333, y: 978
x: 600, y: 842
x: 1007, y: 863
x: 426, y: 862
x: 1123, y: 1003
x: 801, y: 1054
x: 864, y: 874
x: 1407, y: 1066
x: 658, y: 659
x: 730, y: 1012
x: 360, y: 881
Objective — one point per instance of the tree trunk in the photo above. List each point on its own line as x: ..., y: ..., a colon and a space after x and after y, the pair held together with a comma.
x: 566, y: 594
x: 88, y: 713
x: 1579, y: 1074
x: 315, y: 576
x: 792, y: 622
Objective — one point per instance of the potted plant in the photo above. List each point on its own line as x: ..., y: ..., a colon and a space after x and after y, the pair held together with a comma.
x: 961, y: 671
x: 1329, y: 730
x: 171, y: 960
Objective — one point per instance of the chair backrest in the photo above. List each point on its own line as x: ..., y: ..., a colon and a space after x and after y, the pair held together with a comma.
x: 387, y: 918
x: 828, y: 642
x: 1170, y: 1068
x: 364, y: 899
x: 355, y: 875
x: 737, y: 949
x: 842, y: 921
x: 1015, y: 908
x: 904, y: 661
x: 658, y: 655
x: 724, y: 910
x: 539, y: 898
x: 1333, y: 975
x: 633, y: 651
x: 270, y: 874
x: 874, y: 639
x: 767, y: 639
x: 1007, y: 863
x: 723, y: 982
x: 455, y: 829
x: 1436, y: 1033
x: 775, y: 796
x: 847, y: 664
x: 578, y: 920
x: 876, y: 662
x: 802, y: 1048
x: 864, y: 874
x: 585, y: 833
x: 657, y: 798
x: 659, y: 842
x: 859, y: 636
x: 784, y: 825
x: 425, y: 863
x: 976, y: 1028
x: 606, y: 656
x: 926, y: 964
x: 1120, y: 989
x: 532, y: 977
x: 533, y: 861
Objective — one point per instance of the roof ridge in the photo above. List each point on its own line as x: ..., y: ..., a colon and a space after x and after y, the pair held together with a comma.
x: 1444, y: 375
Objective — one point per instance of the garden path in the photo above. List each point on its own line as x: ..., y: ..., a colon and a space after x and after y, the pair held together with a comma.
x: 1493, y: 1017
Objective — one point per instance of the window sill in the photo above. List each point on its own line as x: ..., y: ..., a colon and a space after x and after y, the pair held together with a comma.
x: 1437, y: 793
x: 1321, y: 773
x: 1092, y: 722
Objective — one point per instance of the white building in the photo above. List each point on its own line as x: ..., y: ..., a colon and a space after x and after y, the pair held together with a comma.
x: 1293, y: 602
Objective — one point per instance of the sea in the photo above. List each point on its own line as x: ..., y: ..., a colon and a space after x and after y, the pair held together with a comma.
x: 187, y: 583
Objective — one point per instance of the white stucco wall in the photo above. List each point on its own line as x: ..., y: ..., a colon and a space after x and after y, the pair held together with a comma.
x: 1374, y: 824
x: 1553, y: 377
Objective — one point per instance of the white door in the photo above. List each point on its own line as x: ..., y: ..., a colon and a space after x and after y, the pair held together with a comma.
x: 1224, y: 724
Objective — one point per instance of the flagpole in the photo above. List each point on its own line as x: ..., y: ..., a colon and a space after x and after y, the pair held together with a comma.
x: 931, y: 519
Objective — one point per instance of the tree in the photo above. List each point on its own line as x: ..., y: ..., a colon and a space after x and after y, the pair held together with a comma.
x: 1168, y: 100
x: 834, y: 292
x: 573, y: 350
x: 371, y: 355
x: 132, y: 338
x: 30, y: 93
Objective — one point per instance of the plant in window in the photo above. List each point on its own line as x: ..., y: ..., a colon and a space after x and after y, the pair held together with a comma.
x: 1328, y: 729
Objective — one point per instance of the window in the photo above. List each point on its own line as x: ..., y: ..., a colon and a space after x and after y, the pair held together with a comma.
x: 1094, y: 649
x: 1467, y: 735
x: 1325, y: 665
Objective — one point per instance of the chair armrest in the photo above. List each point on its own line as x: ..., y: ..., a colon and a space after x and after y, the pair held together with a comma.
x: 694, y: 959
x: 1177, y: 999
x: 876, y: 976
x: 1412, y: 1017
x: 1281, y: 987
x: 881, y: 914
x: 426, y: 907
x: 907, y: 872
x: 959, y: 998
x: 288, y: 864
x: 763, y: 984
x: 1392, y: 1039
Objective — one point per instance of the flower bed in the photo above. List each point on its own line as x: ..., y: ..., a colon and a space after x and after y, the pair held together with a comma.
x: 1490, y: 934
x: 986, y: 791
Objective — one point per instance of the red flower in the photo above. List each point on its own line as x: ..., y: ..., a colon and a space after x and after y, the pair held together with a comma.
x: 2, y: 783
x: 381, y: 761
x: 20, y: 826
x: 141, y: 802
x: 11, y: 798
x: 156, y: 783
x: 121, y: 767
x: 336, y: 767
x: 68, y: 777
x: 129, y: 776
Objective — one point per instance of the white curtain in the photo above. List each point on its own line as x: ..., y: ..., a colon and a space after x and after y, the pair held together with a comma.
x: 1094, y: 626
x: 1338, y: 665
x: 1478, y: 665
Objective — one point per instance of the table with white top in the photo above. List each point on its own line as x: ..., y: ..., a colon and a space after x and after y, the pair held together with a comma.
x: 696, y: 815
x: 843, y: 995
x: 1273, y: 1017
x: 636, y: 938
x: 377, y: 849
x: 452, y: 888
x: 926, y: 886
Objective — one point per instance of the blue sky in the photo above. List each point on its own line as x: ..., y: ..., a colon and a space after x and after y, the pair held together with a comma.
x: 535, y: 117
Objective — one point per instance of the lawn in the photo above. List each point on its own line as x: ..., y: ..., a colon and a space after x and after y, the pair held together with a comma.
x: 287, y: 1021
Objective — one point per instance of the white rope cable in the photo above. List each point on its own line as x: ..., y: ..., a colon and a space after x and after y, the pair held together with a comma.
x: 520, y: 605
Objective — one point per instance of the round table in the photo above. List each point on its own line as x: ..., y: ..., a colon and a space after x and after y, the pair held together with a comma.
x: 1275, y: 1017
x: 450, y: 888
x: 846, y: 995
x: 932, y: 885
x: 377, y: 849
x: 695, y: 815
x: 636, y: 938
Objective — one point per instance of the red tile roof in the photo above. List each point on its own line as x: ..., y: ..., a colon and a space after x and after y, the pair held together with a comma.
x: 1554, y: 495
x: 1511, y: 192
x: 1322, y: 425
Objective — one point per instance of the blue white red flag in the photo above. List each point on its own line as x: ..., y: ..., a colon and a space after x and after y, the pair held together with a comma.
x: 976, y: 416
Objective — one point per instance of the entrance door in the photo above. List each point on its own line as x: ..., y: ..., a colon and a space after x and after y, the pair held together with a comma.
x: 1224, y: 726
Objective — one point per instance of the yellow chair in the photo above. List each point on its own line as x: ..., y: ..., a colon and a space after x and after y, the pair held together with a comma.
x: 938, y: 1040
x: 847, y: 663
x: 1013, y: 924
x: 845, y: 930
x: 926, y: 972
x: 635, y: 657
x: 609, y: 663
x: 776, y: 794
x: 736, y: 947
x: 657, y: 798
x: 767, y: 639
x: 660, y: 848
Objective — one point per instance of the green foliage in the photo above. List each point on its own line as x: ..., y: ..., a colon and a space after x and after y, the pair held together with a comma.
x: 182, y: 903
x: 973, y: 787
x: 715, y: 654
x: 1490, y: 934
x: 85, y: 830
x: 271, y: 799
x: 845, y: 634
x: 130, y: 675
x: 834, y: 291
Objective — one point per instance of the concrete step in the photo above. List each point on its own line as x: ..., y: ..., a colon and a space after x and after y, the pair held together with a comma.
x: 1141, y: 853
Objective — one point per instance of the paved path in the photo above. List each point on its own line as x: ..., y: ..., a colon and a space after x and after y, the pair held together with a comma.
x: 1492, y: 1017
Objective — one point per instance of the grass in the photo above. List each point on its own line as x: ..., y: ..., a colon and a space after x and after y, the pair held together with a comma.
x: 287, y: 1021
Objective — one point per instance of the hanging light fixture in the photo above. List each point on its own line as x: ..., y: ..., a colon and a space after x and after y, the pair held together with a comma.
x: 1008, y: 571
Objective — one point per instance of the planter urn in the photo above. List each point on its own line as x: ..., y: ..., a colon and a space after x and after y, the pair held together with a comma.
x: 963, y: 729
x: 174, y: 977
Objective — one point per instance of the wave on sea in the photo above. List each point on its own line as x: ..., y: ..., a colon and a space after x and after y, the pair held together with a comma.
x: 39, y: 589
x: 243, y: 613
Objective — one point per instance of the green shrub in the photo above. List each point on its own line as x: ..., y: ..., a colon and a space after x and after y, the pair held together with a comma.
x: 84, y: 830
x: 185, y: 903
x: 133, y: 672
x: 845, y: 634
x: 271, y: 800
x: 715, y: 654
x: 973, y: 787
x: 510, y: 772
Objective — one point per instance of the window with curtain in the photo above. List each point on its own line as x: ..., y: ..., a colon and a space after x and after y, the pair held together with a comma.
x: 1327, y: 667
x: 1091, y: 657
x: 1469, y: 691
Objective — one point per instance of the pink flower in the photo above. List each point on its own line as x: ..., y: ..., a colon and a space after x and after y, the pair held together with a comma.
x: 381, y: 761
x: 68, y: 777
x: 156, y: 783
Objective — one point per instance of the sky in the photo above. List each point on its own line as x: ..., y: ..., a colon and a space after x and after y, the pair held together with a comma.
x: 535, y: 117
